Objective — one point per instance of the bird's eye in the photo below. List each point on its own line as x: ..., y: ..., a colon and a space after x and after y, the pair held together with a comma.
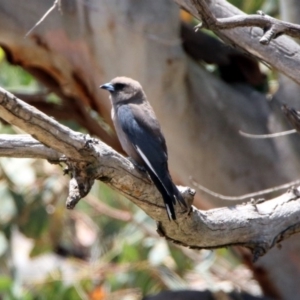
x: 119, y: 86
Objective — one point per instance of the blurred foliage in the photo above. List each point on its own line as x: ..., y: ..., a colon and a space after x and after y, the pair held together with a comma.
x: 15, y: 78
x: 94, y: 252
x: 269, y: 7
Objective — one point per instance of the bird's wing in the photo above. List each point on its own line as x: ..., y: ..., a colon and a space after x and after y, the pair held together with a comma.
x: 145, y: 136
x: 144, y: 133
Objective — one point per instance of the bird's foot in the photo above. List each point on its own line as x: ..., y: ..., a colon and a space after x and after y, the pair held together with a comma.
x: 141, y: 169
x: 138, y: 166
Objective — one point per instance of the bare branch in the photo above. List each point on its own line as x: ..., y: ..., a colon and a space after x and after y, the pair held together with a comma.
x: 56, y: 3
x: 257, y: 226
x: 40, y: 126
x: 293, y: 117
x: 70, y: 109
x: 267, y: 136
x: 282, y: 53
x: 239, y: 225
x: 272, y: 27
x: 249, y: 195
x: 104, y: 209
x: 24, y: 146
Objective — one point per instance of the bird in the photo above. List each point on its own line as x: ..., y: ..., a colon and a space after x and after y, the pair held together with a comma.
x: 141, y: 137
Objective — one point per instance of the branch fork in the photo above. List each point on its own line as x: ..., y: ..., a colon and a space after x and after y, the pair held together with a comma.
x: 272, y: 27
x: 258, y: 227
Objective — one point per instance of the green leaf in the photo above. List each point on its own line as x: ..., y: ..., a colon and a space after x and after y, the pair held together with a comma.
x: 5, y: 283
x: 130, y: 253
x: 41, y: 246
x: 2, y: 54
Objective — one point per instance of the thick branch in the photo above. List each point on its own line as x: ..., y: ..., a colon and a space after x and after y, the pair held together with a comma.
x: 273, y: 27
x: 258, y: 227
x: 70, y: 109
x: 40, y: 126
x: 219, y: 15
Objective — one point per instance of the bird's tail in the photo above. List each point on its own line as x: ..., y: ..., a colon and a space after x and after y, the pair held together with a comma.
x: 169, y: 192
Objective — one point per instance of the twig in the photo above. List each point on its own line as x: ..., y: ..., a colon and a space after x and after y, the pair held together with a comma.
x: 293, y: 116
x: 267, y: 136
x: 102, y: 208
x: 245, y: 196
x: 55, y: 4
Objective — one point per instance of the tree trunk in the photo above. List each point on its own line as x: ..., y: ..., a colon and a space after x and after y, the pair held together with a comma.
x: 285, y: 273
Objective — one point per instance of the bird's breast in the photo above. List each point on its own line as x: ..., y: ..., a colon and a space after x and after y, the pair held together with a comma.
x: 124, y: 139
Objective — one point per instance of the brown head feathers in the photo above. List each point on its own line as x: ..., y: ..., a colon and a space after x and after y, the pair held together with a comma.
x: 124, y: 89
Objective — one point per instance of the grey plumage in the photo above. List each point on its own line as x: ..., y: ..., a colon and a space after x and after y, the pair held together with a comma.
x: 141, y: 137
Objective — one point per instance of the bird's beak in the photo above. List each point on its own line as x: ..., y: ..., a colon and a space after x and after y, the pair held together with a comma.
x: 107, y: 86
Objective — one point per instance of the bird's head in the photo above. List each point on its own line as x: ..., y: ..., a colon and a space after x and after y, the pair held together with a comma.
x: 124, y: 89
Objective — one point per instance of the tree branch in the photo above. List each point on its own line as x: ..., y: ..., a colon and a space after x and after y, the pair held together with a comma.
x: 256, y: 226
x: 70, y: 109
x: 56, y: 3
x: 40, y: 126
x: 272, y: 27
x: 24, y: 146
x: 293, y: 116
x: 219, y: 16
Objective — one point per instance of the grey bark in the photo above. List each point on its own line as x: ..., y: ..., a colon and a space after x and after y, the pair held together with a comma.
x: 282, y: 53
x: 24, y: 146
x: 258, y: 226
